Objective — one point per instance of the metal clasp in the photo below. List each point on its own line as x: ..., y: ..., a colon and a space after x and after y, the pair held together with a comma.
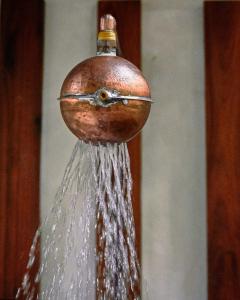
x: 105, y: 97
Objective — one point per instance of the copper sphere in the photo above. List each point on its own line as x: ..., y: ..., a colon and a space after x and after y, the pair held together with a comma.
x: 116, y: 123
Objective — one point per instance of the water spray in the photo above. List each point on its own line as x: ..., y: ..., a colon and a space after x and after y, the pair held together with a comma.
x: 87, y: 242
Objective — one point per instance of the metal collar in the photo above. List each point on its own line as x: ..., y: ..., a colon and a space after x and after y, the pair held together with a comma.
x: 105, y: 97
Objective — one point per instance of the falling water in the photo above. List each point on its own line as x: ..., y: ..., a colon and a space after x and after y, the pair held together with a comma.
x: 91, y: 217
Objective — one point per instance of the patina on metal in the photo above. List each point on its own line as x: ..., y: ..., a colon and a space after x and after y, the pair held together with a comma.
x: 105, y: 98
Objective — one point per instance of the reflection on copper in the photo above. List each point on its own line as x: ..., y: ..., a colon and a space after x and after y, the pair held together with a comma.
x: 116, y: 123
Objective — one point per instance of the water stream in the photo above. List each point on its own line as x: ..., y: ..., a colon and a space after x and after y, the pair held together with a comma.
x: 87, y: 242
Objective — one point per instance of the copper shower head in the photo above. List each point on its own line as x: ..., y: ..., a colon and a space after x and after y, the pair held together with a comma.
x: 105, y: 98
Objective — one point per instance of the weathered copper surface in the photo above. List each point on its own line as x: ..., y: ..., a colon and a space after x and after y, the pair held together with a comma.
x: 117, y: 123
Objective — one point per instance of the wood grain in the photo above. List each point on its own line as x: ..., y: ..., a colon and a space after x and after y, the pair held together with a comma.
x: 21, y: 48
x: 128, y: 17
x: 222, y: 40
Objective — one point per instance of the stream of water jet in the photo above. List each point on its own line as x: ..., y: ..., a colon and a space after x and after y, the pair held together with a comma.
x: 87, y: 241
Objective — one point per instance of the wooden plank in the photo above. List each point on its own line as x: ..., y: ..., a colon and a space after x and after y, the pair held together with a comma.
x: 21, y: 48
x: 222, y: 32
x: 128, y: 17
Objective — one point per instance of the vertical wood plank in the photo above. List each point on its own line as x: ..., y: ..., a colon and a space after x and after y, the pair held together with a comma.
x: 21, y: 47
x: 128, y: 17
x: 222, y: 42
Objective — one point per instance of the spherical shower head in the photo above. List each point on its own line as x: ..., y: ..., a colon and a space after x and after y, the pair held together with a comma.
x: 105, y: 99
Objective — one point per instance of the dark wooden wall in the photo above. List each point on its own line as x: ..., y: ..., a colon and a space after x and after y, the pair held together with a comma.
x: 21, y: 47
x: 128, y: 17
x: 222, y: 42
